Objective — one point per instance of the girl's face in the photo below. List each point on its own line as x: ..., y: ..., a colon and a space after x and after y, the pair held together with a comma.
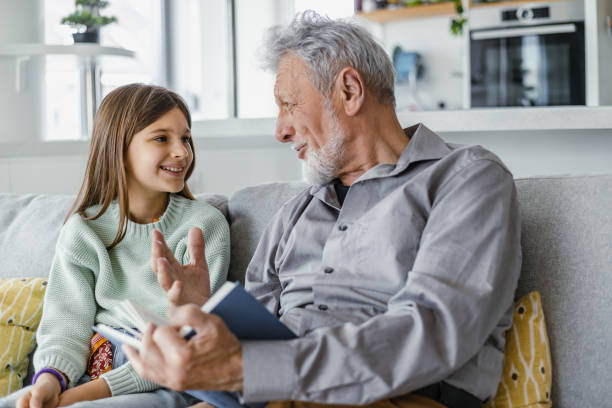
x: 159, y: 156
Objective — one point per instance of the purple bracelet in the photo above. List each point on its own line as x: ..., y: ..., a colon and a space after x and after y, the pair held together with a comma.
x: 53, y: 371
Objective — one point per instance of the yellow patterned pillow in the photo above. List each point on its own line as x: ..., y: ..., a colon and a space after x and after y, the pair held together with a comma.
x: 527, y: 374
x: 21, y: 301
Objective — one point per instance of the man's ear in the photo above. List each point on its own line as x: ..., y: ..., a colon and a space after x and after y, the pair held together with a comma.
x: 350, y: 88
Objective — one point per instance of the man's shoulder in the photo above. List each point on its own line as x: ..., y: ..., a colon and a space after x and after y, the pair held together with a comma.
x: 465, y: 157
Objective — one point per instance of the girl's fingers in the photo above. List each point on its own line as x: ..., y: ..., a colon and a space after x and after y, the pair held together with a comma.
x: 196, y: 246
x: 174, y: 294
x: 164, y: 276
x: 24, y: 401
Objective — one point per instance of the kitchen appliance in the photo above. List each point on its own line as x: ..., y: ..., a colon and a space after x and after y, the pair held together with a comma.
x: 528, y: 55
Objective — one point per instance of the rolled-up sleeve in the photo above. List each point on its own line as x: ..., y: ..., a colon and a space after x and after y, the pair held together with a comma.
x: 457, y: 294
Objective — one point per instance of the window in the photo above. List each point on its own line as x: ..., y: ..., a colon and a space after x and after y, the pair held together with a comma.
x: 64, y: 95
x: 205, y: 50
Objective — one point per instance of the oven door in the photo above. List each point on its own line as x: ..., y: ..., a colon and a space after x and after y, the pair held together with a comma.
x: 528, y: 66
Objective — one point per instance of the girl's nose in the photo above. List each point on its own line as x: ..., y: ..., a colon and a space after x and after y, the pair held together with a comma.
x: 180, y: 150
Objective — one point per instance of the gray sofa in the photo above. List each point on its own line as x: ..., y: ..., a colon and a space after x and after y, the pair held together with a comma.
x: 567, y: 244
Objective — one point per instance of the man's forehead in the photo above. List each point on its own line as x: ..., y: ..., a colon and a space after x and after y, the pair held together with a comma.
x: 291, y: 73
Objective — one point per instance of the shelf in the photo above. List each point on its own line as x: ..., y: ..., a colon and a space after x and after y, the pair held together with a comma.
x: 425, y: 10
x: 509, y: 3
x: 83, y: 50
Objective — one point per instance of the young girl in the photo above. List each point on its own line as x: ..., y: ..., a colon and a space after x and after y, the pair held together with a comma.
x: 141, y: 156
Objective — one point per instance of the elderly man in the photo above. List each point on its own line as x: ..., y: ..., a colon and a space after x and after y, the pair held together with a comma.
x: 396, y: 269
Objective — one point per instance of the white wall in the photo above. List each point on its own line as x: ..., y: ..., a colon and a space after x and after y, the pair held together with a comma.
x: 546, y: 152
x: 218, y: 170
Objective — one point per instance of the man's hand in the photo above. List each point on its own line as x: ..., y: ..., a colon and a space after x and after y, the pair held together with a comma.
x: 210, y: 360
x: 183, y: 284
x: 44, y: 394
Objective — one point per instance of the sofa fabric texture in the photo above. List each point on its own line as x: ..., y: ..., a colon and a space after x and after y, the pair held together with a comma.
x: 567, y: 257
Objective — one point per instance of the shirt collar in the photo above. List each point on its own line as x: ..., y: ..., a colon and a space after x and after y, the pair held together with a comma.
x: 424, y: 145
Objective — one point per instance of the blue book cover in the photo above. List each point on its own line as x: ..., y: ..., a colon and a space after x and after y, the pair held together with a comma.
x: 244, y: 316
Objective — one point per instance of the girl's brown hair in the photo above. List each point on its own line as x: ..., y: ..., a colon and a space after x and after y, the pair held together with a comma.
x: 123, y: 113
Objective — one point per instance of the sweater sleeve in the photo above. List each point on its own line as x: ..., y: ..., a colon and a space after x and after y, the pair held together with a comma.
x: 125, y: 380
x: 69, y: 309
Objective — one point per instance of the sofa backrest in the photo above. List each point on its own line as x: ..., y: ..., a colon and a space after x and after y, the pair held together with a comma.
x: 567, y: 257
x: 30, y: 225
x: 250, y: 211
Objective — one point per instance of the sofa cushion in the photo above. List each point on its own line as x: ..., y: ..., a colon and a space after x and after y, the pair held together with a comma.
x: 20, y: 311
x: 250, y: 211
x: 567, y: 257
x: 29, y: 227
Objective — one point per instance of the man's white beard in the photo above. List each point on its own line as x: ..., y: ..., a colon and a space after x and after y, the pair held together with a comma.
x: 322, y: 166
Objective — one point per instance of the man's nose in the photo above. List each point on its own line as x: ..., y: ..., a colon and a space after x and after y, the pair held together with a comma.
x: 284, y: 130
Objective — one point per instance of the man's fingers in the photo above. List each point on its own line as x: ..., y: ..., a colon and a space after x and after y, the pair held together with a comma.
x: 164, y: 277
x: 191, y: 315
x: 196, y: 246
x: 134, y: 358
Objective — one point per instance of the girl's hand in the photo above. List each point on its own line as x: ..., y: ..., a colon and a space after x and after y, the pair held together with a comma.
x: 44, y: 394
x: 183, y: 284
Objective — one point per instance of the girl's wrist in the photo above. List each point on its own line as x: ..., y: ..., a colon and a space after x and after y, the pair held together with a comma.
x: 52, y: 375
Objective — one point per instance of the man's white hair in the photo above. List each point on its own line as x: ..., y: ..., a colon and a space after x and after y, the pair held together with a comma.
x: 327, y: 46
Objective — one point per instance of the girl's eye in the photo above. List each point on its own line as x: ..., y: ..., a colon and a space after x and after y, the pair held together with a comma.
x: 186, y: 139
x: 160, y: 139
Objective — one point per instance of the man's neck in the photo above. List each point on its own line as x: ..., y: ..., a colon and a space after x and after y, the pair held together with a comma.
x: 374, y: 139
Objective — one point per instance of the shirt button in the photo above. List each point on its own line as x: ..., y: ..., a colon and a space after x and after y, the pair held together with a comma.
x: 328, y: 269
x: 342, y: 227
x: 323, y: 307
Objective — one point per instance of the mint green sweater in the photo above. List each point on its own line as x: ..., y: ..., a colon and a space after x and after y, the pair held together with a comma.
x: 86, y: 281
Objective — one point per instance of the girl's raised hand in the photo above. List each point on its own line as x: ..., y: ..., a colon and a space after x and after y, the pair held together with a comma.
x: 183, y: 284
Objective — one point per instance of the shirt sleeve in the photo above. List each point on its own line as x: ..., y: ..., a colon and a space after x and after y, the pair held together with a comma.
x: 459, y: 289
x: 68, y: 313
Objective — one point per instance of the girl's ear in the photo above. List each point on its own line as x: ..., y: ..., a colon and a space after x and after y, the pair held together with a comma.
x: 351, y: 89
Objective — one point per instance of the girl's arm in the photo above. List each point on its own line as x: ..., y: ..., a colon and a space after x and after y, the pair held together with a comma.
x: 89, y: 391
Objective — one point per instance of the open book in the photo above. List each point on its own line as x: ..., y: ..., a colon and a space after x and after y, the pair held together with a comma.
x: 243, y: 315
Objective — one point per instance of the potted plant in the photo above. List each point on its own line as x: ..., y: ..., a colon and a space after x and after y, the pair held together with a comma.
x: 87, y: 20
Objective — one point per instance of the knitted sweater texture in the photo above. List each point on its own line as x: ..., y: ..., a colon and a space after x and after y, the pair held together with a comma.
x: 86, y: 281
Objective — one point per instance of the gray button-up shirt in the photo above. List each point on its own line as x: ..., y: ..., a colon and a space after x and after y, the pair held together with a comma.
x: 409, y: 282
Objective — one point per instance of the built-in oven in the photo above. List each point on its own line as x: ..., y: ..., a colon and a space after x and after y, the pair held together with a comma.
x: 528, y: 55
